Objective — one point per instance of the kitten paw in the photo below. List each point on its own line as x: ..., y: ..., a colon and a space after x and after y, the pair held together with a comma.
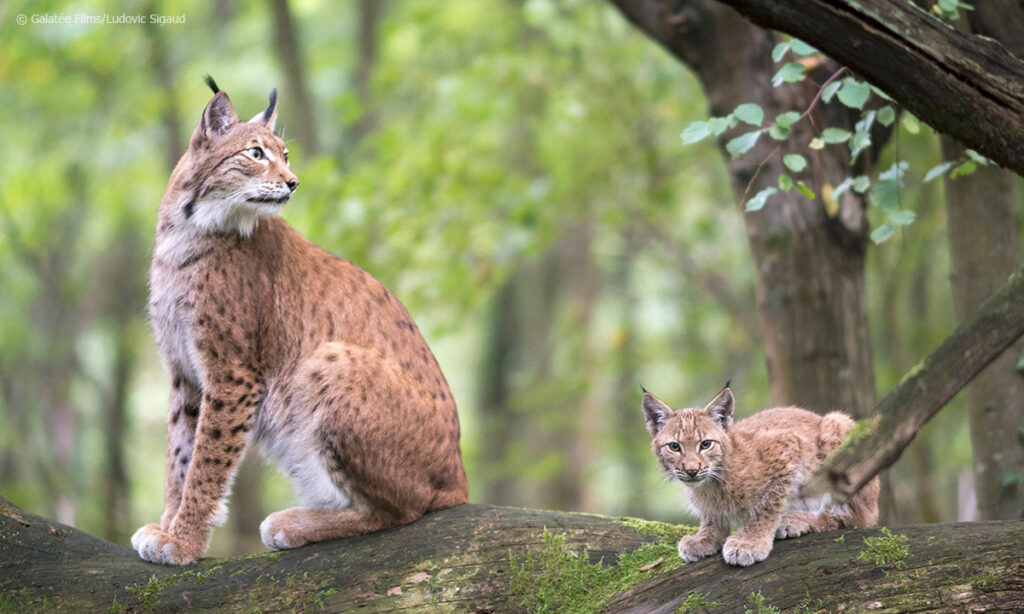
x: 745, y: 552
x: 693, y: 548
x: 281, y: 531
x: 156, y: 546
x: 792, y: 525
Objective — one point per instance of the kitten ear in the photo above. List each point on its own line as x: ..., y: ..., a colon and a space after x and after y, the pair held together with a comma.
x: 218, y: 117
x: 269, y: 116
x: 720, y: 409
x: 656, y: 413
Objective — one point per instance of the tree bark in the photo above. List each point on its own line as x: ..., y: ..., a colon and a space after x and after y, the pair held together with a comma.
x: 458, y: 560
x: 984, y: 248
x: 968, y: 87
x: 809, y: 264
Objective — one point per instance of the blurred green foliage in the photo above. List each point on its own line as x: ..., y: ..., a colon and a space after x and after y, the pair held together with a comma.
x: 489, y: 135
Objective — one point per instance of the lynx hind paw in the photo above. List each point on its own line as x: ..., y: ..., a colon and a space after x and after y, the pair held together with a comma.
x: 693, y: 549
x: 745, y: 552
x: 793, y: 525
x: 156, y: 546
x: 280, y: 532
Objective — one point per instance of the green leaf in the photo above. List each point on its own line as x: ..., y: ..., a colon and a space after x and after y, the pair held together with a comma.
x: 835, y: 135
x: 977, y: 157
x: 697, y: 131
x: 830, y: 90
x: 801, y: 48
x: 964, y: 169
x: 861, y: 183
x: 743, y: 143
x: 779, y: 51
x: 882, y: 233
x: 910, y: 123
x: 803, y: 189
x: 749, y: 113
x: 795, y: 162
x: 778, y: 133
x: 816, y: 144
x: 718, y: 125
x: 902, y: 217
x: 787, y: 119
x: 791, y: 72
x: 880, y: 93
x: 895, y: 172
x: 860, y: 141
x: 785, y: 182
x: 842, y: 187
x: 886, y: 195
x: 886, y: 115
x: 854, y: 93
x: 948, y: 6
x: 1012, y: 478
x: 757, y: 202
x: 937, y: 171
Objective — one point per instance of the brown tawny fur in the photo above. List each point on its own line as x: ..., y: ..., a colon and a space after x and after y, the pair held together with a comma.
x: 265, y: 336
x: 750, y: 473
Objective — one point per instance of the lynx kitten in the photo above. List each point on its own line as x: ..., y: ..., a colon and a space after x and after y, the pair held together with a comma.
x: 265, y: 336
x: 750, y: 472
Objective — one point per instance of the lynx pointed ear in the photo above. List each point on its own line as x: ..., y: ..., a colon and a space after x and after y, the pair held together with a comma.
x: 720, y: 409
x: 656, y: 413
x: 268, y: 117
x: 218, y: 117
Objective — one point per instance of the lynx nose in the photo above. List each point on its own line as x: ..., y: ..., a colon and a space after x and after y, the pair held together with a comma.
x: 691, y: 472
x: 292, y: 184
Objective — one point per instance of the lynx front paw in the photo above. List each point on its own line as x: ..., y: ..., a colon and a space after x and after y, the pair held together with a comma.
x: 793, y: 525
x: 281, y: 530
x: 156, y: 546
x: 693, y: 548
x: 745, y: 552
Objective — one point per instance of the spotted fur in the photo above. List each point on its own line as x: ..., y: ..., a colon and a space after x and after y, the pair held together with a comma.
x: 267, y: 337
x: 749, y: 473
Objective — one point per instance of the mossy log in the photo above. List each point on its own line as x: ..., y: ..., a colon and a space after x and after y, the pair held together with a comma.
x: 486, y: 559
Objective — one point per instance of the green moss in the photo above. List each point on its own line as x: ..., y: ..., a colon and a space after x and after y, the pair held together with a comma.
x: 861, y: 429
x: 562, y: 580
x: 663, y: 530
x: 761, y: 606
x: 694, y: 601
x: 889, y: 549
x: 148, y: 593
x: 983, y: 579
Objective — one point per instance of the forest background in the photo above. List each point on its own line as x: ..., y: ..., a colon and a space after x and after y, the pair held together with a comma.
x: 512, y: 170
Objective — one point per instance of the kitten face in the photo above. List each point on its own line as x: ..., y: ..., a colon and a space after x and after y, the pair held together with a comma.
x: 690, y: 444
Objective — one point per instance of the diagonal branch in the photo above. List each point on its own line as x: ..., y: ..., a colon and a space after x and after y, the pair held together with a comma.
x: 968, y: 87
x: 979, y: 340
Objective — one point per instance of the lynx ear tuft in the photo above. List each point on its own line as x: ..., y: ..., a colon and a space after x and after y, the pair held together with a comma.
x: 213, y: 84
x: 720, y: 409
x: 656, y: 413
x: 268, y: 117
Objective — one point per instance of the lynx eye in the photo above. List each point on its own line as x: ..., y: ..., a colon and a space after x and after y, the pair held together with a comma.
x: 286, y: 157
x: 674, y: 446
x: 704, y: 445
x: 255, y: 153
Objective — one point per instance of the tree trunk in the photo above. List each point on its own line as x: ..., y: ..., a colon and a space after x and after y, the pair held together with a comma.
x: 966, y: 86
x: 984, y: 249
x: 458, y: 560
x: 290, y: 53
x: 809, y: 264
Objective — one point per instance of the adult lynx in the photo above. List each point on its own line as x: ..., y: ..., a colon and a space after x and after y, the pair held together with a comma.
x: 750, y: 473
x: 262, y: 331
